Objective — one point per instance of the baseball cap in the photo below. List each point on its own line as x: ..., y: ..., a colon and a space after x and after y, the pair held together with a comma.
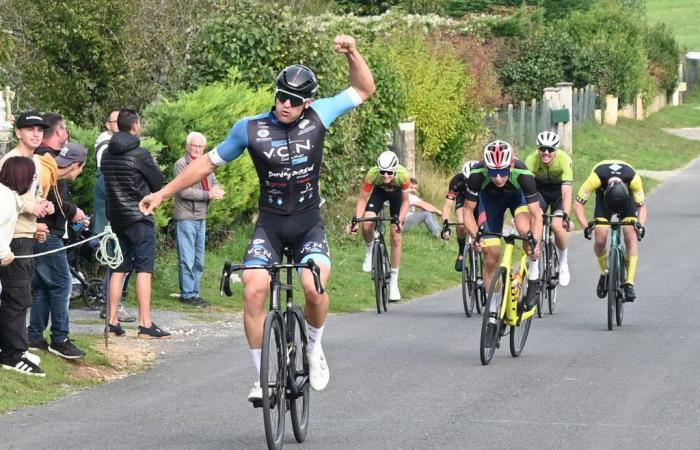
x: 30, y: 119
x: 73, y: 152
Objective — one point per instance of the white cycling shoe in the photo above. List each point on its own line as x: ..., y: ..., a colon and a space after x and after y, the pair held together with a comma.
x: 367, y: 264
x: 394, y: 294
x: 564, y: 275
x: 319, y: 375
x: 255, y: 393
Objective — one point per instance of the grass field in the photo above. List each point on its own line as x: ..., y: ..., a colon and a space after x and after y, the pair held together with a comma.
x: 682, y: 15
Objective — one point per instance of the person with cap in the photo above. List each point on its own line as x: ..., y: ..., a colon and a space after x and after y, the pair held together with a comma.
x: 51, y: 288
x: 286, y: 146
x: 16, y: 278
x: 130, y: 174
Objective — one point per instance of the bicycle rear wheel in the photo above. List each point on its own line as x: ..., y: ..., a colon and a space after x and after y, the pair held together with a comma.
x: 387, y: 277
x: 479, y: 288
x: 492, y: 323
x: 273, y: 376
x: 519, y: 333
x: 94, y: 295
x: 298, y: 370
x: 468, y: 281
x: 620, y: 303
x: 553, y: 278
x: 378, y: 275
x: 613, y: 282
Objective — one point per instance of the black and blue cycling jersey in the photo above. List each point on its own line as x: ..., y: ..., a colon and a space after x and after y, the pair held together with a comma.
x: 287, y: 157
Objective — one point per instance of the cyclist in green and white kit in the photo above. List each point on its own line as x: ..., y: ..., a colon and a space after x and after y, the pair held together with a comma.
x: 387, y: 181
x: 554, y: 177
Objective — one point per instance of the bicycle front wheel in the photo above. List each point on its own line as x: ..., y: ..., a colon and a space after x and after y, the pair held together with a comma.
x: 272, y: 379
x: 492, y: 322
x: 378, y: 274
x: 298, y: 370
x: 468, y: 281
x: 479, y: 289
x: 613, y: 282
x: 552, y: 278
x: 619, y: 303
x: 543, y: 264
x: 519, y: 333
x: 387, y: 277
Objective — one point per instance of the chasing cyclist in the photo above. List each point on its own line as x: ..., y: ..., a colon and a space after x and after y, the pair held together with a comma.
x: 612, y: 181
x: 388, y: 181
x: 456, y: 194
x: 499, y: 183
x: 286, y: 146
x: 554, y: 177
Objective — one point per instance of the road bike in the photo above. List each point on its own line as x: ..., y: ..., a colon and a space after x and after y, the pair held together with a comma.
x: 473, y: 289
x: 549, y: 266
x: 381, y: 265
x: 284, y: 368
x: 505, y: 302
x: 617, y: 271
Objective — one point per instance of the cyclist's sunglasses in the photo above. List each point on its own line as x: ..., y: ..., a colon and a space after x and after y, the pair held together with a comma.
x: 499, y: 172
x: 387, y: 172
x: 547, y: 149
x: 294, y: 100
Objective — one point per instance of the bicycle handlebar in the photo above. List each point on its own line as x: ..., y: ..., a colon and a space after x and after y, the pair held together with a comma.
x: 393, y: 219
x: 509, y: 238
x: 641, y: 231
x: 225, y: 288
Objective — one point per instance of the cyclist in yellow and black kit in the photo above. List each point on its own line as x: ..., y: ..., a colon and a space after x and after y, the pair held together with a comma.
x: 554, y: 176
x: 613, y: 181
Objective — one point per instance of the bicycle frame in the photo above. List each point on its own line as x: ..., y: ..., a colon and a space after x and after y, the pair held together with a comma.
x: 509, y: 308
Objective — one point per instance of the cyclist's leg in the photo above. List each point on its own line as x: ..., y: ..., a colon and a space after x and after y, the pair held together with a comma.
x: 461, y: 231
x: 523, y: 222
x: 632, y: 256
x: 600, y: 242
x: 490, y: 216
x: 395, y: 200
x: 374, y: 205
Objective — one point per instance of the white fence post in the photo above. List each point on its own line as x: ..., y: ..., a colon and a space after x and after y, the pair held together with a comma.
x: 566, y: 130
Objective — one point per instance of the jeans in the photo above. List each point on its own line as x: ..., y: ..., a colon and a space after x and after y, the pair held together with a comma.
x: 51, y: 289
x: 190, y: 251
x: 422, y: 217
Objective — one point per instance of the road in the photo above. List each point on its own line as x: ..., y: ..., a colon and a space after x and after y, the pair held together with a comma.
x: 412, y: 379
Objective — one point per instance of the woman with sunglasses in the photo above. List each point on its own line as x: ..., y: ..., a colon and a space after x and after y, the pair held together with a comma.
x: 502, y: 182
x: 554, y: 177
x: 286, y: 146
x: 388, y: 181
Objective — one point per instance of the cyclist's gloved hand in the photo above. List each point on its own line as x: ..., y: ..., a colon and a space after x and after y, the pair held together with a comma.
x: 641, y: 231
x: 352, y: 228
x: 587, y: 231
x: 445, y: 233
x: 399, y: 226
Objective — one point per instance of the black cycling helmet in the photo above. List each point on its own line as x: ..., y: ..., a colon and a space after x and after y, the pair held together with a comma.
x: 616, y: 197
x: 298, y: 80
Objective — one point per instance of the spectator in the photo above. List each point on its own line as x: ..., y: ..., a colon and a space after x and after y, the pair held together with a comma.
x: 16, y: 278
x: 99, y: 216
x: 190, y: 214
x: 424, y: 214
x: 51, y: 288
x: 130, y: 174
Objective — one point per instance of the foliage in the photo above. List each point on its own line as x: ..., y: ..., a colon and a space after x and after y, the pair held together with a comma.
x: 211, y: 110
x: 374, y: 7
x: 556, y: 9
x: 664, y: 54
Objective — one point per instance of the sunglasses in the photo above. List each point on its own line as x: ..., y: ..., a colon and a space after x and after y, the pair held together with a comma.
x: 387, y: 172
x: 294, y: 100
x: 499, y: 172
x: 547, y: 149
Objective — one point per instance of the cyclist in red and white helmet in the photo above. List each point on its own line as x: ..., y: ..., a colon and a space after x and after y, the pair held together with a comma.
x: 502, y: 182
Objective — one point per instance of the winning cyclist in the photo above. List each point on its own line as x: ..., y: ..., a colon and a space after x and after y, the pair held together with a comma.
x: 612, y: 182
x: 499, y: 183
x: 388, y: 181
x: 456, y: 194
x: 286, y: 146
x: 554, y: 177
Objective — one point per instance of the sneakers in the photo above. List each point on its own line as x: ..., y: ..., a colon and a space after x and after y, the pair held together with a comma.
x: 602, y: 289
x: 66, y: 349
x: 459, y: 264
x: 194, y: 301
x: 116, y: 330
x: 629, y: 292
x: 122, y: 314
x: 319, y: 375
x: 533, y: 291
x: 41, y: 344
x: 32, y: 357
x: 394, y: 294
x: 255, y: 394
x: 564, y: 275
x: 152, y: 332
x: 25, y: 366
x: 367, y: 264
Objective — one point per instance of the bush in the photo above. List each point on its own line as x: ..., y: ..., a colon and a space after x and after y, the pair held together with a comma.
x: 664, y: 54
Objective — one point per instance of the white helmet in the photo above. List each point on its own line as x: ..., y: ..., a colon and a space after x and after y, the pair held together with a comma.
x: 467, y: 168
x: 388, y: 160
x: 498, y: 155
x: 548, y: 139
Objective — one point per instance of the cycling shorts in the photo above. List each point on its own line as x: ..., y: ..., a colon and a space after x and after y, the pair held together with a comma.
x: 303, y: 233
x: 379, y: 196
x: 550, y: 197
x: 492, y: 208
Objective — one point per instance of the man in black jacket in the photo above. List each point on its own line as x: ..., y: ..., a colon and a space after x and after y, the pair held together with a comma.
x: 51, y: 287
x: 130, y: 173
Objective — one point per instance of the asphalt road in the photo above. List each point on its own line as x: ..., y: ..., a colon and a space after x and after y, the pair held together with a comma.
x: 412, y: 378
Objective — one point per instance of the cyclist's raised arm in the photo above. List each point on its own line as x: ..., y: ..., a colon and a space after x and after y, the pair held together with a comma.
x: 360, y: 76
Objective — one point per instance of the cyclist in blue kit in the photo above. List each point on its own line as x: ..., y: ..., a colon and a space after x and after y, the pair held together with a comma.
x: 286, y: 146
